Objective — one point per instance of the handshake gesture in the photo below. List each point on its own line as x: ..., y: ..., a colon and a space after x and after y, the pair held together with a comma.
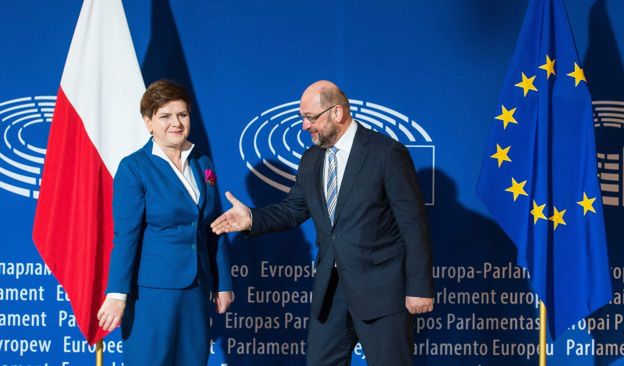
x: 237, y: 218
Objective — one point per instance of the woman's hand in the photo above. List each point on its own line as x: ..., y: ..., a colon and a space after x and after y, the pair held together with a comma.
x: 223, y: 301
x: 110, y: 313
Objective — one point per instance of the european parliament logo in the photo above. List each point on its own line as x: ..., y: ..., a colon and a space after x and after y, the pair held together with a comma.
x: 273, y: 142
x: 24, y: 125
x: 609, y: 122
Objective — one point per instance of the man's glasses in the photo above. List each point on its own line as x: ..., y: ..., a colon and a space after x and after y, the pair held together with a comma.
x: 313, y: 119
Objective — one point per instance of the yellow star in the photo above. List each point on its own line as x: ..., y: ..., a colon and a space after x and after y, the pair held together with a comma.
x: 578, y: 74
x: 557, y: 217
x: 501, y: 155
x: 506, y: 116
x: 549, y: 67
x: 538, y: 212
x: 527, y: 84
x: 517, y: 189
x: 587, y: 204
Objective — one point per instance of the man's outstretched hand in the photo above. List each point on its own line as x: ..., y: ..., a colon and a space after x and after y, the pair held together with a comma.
x: 237, y: 218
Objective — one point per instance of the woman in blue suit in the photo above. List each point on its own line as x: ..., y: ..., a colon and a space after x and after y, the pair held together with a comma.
x: 166, y: 263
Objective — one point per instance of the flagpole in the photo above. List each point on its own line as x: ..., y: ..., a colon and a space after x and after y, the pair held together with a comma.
x: 99, y: 354
x: 542, y: 335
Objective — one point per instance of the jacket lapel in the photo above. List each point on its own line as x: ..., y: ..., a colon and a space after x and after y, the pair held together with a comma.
x: 319, y: 164
x: 199, y: 179
x: 166, y: 170
x: 356, y: 159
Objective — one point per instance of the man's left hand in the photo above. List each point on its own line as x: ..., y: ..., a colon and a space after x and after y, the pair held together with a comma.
x: 418, y: 305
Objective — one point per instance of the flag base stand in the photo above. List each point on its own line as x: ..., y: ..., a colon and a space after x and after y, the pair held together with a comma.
x: 542, y: 335
x: 99, y: 353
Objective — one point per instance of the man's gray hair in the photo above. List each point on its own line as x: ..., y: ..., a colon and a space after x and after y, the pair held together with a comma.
x: 334, y: 96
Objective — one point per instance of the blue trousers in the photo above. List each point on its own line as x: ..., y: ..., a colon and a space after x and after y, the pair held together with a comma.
x: 387, y: 341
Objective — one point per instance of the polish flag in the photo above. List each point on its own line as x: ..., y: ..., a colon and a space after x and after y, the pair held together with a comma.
x: 96, y: 123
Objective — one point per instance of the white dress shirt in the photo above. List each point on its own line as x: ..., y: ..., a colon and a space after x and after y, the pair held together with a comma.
x: 343, y: 145
x: 186, y: 178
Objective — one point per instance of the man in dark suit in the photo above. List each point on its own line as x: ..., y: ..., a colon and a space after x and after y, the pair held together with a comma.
x: 374, y: 256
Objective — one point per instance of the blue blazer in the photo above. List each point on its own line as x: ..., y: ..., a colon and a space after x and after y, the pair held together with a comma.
x: 162, y: 238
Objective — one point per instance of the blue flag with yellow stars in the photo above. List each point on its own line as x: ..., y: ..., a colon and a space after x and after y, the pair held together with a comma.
x: 539, y: 177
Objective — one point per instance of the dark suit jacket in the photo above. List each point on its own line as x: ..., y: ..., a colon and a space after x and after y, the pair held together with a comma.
x: 379, y: 241
x: 162, y: 238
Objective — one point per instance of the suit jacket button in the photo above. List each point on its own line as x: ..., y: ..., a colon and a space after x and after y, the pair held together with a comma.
x: 194, y: 224
x: 193, y: 246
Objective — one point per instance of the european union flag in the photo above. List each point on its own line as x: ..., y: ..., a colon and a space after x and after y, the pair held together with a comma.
x: 538, y: 177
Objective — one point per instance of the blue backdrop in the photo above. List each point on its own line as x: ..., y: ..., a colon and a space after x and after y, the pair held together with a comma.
x: 435, y: 68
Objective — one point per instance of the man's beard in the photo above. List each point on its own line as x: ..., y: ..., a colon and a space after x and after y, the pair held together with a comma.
x: 327, y: 140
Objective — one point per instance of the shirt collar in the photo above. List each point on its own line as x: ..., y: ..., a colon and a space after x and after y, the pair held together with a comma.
x: 158, y: 151
x: 346, y: 140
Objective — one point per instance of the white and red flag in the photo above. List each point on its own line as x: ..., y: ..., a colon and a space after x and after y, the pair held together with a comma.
x: 96, y: 123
